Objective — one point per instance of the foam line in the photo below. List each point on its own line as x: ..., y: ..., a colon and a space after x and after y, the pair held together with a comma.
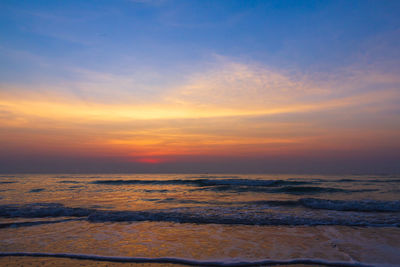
x: 182, y: 260
x: 34, y: 223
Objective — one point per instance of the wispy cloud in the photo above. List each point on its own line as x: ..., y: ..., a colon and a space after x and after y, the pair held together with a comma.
x: 231, y: 107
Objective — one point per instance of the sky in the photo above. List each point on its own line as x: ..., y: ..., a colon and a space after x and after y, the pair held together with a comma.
x: 200, y: 86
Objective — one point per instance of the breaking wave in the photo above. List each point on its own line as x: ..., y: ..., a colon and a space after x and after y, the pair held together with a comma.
x: 351, y: 205
x: 239, y: 185
x: 337, y: 205
x: 42, y: 210
x: 190, y: 262
x: 207, y: 215
x: 311, y: 203
x: 32, y: 223
x: 204, y: 182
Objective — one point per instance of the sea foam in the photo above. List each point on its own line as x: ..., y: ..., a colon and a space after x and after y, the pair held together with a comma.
x: 191, y: 262
x: 204, y: 215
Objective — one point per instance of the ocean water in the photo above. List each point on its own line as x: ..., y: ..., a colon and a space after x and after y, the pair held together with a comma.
x: 197, y: 219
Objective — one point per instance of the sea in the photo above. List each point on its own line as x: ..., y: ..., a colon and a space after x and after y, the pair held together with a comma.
x: 199, y: 220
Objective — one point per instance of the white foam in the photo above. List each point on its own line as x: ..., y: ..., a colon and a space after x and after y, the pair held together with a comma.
x: 191, y: 262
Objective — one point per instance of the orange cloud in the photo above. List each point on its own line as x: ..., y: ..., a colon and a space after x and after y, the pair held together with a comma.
x: 235, y: 109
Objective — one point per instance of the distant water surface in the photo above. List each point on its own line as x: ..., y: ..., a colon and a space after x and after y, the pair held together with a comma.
x: 227, y: 218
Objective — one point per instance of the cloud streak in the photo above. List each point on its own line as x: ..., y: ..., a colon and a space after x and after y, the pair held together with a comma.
x: 232, y: 108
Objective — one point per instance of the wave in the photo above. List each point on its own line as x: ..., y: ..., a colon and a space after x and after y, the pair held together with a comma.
x: 139, y: 182
x: 309, y: 189
x: 36, y: 190
x: 75, y: 186
x: 203, y: 182
x: 238, y: 185
x: 311, y: 203
x: 292, y: 190
x: 5, y: 190
x: 69, y: 182
x: 87, y: 177
x: 337, y: 205
x: 286, y: 203
x: 351, y: 205
x: 203, y: 215
x: 236, y: 216
x: 193, y: 201
x: 42, y: 210
x: 190, y: 262
x: 364, y: 180
x: 157, y: 190
x: 214, y: 176
x: 32, y: 223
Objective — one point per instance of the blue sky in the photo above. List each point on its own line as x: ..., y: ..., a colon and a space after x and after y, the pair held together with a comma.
x: 113, y: 35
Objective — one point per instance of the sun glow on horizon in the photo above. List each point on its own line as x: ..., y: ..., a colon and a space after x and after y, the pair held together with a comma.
x: 183, y: 123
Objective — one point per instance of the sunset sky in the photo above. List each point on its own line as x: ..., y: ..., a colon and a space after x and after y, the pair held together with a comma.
x: 200, y: 86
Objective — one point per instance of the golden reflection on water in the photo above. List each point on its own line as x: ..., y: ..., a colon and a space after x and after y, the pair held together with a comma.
x: 206, y: 242
x: 164, y: 239
x: 82, y: 192
x: 51, y: 262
